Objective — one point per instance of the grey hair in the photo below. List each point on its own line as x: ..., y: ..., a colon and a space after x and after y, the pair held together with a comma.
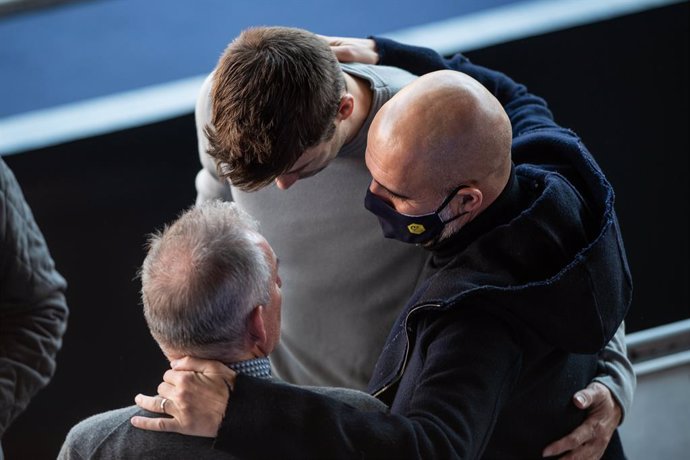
x: 202, y: 276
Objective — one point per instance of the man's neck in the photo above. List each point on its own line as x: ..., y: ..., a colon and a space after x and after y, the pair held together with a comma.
x: 361, y: 91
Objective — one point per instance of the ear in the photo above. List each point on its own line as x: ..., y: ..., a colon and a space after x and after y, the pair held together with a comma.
x: 346, y: 107
x: 257, y: 326
x: 468, y: 200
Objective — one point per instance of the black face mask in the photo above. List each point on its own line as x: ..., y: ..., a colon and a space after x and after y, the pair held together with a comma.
x: 406, y: 228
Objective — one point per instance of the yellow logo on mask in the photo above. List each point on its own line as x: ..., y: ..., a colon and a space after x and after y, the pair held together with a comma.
x: 416, y: 229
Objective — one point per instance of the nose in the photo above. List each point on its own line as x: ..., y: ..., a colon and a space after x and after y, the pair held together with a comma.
x: 285, y: 181
x: 376, y: 189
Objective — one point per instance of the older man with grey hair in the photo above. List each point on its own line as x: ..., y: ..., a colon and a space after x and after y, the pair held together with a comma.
x: 210, y: 289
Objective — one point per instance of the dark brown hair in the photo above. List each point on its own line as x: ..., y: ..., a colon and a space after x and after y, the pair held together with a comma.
x: 275, y: 93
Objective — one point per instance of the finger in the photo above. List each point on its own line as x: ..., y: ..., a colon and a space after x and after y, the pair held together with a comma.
x: 584, y: 452
x: 575, y: 439
x: 325, y: 38
x: 196, y: 365
x: 175, y: 377
x: 587, y: 451
x: 200, y: 368
x: 166, y: 390
x: 155, y: 424
x: 344, y: 53
x: 150, y: 403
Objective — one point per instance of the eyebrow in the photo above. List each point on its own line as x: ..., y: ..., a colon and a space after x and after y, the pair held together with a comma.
x: 395, y: 194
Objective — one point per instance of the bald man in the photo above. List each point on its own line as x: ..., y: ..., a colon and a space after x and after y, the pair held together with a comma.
x: 528, y: 280
x: 461, y: 161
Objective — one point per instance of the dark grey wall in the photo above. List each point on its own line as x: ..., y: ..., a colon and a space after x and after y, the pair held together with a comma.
x: 621, y: 84
x: 96, y: 200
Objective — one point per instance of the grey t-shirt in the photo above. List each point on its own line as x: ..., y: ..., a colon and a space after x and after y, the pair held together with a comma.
x: 343, y: 283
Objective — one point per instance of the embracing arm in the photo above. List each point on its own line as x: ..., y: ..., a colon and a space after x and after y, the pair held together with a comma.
x: 33, y: 311
x: 525, y: 110
x: 605, y: 403
x: 208, y: 185
x: 445, y: 408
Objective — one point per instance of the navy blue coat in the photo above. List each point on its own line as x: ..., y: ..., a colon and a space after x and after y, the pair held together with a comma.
x: 484, y: 359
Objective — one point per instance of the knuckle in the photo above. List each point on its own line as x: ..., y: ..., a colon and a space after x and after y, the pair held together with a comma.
x: 187, y: 378
x: 593, y: 431
x: 183, y: 394
x: 160, y: 423
x: 147, y: 403
x: 568, y: 442
x: 182, y: 402
x: 582, y: 437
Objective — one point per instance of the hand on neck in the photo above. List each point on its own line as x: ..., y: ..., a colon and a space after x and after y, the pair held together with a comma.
x: 253, y: 352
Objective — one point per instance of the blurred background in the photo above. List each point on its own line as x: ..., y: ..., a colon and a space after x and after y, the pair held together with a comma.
x: 96, y: 121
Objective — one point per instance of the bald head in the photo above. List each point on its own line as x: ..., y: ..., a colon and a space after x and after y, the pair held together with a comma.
x: 442, y: 130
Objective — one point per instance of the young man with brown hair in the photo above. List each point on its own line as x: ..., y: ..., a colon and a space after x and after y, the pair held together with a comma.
x: 271, y: 108
x: 272, y: 88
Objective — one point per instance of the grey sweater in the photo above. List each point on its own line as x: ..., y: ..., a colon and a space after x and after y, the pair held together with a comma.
x: 343, y: 283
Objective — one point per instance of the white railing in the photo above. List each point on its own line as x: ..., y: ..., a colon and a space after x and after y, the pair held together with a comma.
x: 658, y: 424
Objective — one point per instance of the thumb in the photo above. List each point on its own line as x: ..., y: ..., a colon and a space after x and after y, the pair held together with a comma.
x: 583, y: 398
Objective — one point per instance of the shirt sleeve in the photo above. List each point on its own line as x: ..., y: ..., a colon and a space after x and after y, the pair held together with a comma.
x: 208, y: 185
x: 616, y: 371
x: 33, y: 310
x: 445, y: 409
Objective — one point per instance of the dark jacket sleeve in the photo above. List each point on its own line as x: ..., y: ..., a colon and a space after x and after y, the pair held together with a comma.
x: 33, y: 311
x: 526, y: 111
x: 445, y: 408
x: 537, y: 138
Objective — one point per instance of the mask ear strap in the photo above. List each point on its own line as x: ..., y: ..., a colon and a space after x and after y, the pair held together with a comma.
x: 444, y: 222
x: 450, y: 197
